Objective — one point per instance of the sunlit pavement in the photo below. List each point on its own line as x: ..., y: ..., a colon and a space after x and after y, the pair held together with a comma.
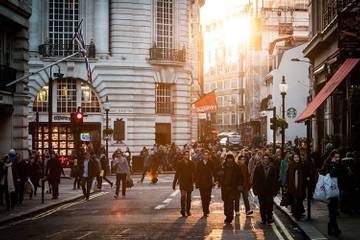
x: 147, y: 212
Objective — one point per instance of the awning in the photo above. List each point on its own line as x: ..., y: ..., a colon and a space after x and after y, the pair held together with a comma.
x: 328, y: 89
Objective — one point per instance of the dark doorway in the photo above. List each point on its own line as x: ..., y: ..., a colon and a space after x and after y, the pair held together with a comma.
x: 163, y: 133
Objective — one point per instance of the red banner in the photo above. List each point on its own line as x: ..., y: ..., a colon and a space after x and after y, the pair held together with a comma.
x: 207, y: 103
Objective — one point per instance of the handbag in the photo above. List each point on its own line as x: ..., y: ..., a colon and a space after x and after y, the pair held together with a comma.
x: 129, y: 182
x: 320, y: 190
x: 331, y: 186
x: 29, y: 186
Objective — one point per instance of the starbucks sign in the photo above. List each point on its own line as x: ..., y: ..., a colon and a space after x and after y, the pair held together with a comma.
x: 291, y: 113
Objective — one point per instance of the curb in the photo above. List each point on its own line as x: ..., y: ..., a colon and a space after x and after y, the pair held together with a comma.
x: 305, y: 226
x: 38, y: 210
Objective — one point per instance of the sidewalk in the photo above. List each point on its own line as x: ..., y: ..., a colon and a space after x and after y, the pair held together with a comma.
x: 66, y: 194
x: 316, y: 228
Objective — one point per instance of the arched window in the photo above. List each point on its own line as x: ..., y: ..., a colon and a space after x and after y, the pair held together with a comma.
x: 70, y: 93
x: 66, y: 95
x: 41, y: 100
x: 89, y: 100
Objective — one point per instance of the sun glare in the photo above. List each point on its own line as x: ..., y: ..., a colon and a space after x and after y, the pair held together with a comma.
x: 237, y: 31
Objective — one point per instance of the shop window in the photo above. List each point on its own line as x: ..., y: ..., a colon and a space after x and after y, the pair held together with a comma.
x: 41, y: 100
x: 66, y: 96
x: 89, y: 100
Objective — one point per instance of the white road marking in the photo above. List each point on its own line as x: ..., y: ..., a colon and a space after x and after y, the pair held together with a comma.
x: 168, y: 200
x: 175, y: 193
x: 85, y: 235
x: 57, y: 233
x: 159, y: 207
x: 125, y: 231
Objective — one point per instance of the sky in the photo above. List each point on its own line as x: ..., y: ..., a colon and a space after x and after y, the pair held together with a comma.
x: 216, y: 8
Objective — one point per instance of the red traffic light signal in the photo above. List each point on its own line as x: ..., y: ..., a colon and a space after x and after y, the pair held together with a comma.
x: 79, y: 115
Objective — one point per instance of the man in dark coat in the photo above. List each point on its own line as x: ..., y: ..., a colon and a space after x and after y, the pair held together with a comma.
x: 88, y: 170
x: 231, y: 180
x: 53, y: 173
x: 205, y: 180
x: 185, y: 171
x: 265, y: 186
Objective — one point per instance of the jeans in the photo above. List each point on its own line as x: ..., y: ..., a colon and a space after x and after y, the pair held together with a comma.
x: 55, y: 189
x: 205, y: 194
x: 229, y: 198
x: 120, y: 177
x: 86, y: 183
x: 146, y: 169
x: 185, y: 201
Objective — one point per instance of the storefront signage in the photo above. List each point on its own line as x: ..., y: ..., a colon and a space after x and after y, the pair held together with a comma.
x: 61, y: 118
x: 291, y: 113
x: 124, y: 110
x: 286, y: 29
x: 85, y: 137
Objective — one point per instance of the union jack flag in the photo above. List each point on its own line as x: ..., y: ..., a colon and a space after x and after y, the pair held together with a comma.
x: 80, y: 41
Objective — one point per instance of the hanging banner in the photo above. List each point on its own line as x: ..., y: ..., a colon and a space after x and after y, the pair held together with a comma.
x: 206, y: 104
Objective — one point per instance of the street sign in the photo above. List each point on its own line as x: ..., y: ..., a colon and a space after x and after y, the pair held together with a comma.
x: 291, y: 113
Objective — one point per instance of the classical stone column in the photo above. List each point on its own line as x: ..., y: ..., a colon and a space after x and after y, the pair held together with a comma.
x: 35, y: 27
x: 101, y: 27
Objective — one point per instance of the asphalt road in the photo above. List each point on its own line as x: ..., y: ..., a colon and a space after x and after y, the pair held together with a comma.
x: 147, y: 212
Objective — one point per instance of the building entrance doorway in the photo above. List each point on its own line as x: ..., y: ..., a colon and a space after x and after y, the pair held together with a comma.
x: 163, y: 133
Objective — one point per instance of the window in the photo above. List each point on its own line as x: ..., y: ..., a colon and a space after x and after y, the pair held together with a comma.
x: 164, y: 23
x: 234, y: 99
x: 89, y: 101
x: 220, y: 85
x: 41, y: 100
x: 220, y: 100
x: 219, y: 119
x: 234, y: 83
x: 233, y: 118
x: 213, y: 86
x: 5, y: 48
x: 66, y: 95
x: 63, y: 20
x: 163, y: 98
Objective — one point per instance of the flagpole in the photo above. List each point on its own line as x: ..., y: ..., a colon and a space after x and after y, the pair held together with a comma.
x: 41, y: 69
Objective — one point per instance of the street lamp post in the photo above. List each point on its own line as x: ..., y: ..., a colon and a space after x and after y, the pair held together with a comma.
x: 50, y: 108
x: 107, y: 109
x: 283, y: 90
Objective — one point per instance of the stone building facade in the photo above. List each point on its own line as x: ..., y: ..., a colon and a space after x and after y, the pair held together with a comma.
x: 14, y: 35
x: 143, y: 56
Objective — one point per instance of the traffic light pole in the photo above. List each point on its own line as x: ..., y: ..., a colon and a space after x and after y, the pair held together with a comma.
x: 274, y: 130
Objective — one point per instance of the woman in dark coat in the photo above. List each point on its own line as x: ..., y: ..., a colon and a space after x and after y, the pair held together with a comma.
x: 296, y: 185
x: 53, y: 173
x: 332, y: 165
x: 185, y: 176
x: 35, y: 171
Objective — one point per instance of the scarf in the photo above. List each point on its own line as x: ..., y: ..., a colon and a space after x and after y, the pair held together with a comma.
x: 10, y: 179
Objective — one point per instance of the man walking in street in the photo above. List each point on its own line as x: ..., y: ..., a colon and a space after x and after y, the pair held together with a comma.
x: 87, y: 173
x: 185, y: 171
x: 53, y: 173
x: 122, y: 170
x: 231, y: 180
x: 205, y: 180
x: 265, y: 186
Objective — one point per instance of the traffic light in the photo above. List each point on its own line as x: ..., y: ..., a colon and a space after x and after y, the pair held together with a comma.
x: 273, y: 124
x: 77, y: 120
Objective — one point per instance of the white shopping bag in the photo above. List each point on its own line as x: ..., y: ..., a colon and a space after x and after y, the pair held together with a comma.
x: 331, y: 186
x: 29, y: 186
x: 320, y: 190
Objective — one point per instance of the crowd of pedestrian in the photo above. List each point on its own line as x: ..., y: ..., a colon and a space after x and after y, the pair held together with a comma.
x: 265, y: 173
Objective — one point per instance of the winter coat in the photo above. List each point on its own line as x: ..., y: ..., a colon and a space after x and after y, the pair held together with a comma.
x: 121, y: 166
x: 53, y: 170
x: 204, y: 174
x: 35, y: 172
x: 93, y: 168
x: 185, y: 176
x: 262, y: 185
x: 282, y: 173
x: 230, y: 180
x: 23, y: 170
x: 9, y: 183
x: 296, y: 180
x: 246, y: 176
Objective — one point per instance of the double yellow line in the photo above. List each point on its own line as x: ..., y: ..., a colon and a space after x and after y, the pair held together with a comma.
x: 65, y: 206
